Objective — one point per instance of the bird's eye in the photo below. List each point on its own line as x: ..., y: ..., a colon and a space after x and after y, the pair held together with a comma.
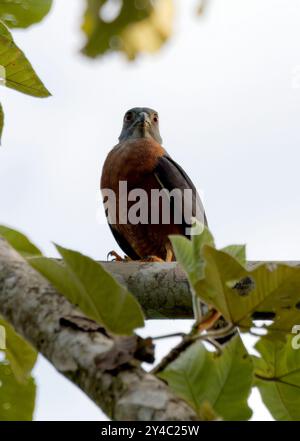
x: 155, y: 119
x: 128, y: 116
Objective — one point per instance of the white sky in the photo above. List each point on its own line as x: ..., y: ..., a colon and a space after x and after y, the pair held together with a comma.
x: 227, y: 88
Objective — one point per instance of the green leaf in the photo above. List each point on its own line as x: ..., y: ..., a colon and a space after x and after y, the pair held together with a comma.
x: 16, y: 69
x: 85, y: 283
x: 278, y: 378
x: 140, y: 26
x: 19, y: 353
x: 1, y: 117
x: 17, y: 400
x: 189, y: 253
x: 23, y: 13
x: 224, y: 381
x: 266, y: 292
x: 19, y: 242
x: 238, y: 252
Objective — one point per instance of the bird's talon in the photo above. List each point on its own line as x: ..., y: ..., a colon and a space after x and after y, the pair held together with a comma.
x: 117, y: 257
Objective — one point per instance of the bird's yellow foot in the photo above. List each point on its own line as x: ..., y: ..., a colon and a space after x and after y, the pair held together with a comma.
x: 151, y: 259
x: 117, y: 257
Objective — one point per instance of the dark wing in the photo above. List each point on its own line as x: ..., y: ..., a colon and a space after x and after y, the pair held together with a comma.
x: 170, y: 175
x: 123, y: 244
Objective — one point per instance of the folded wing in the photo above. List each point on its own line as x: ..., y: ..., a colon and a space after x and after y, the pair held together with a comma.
x: 171, y: 176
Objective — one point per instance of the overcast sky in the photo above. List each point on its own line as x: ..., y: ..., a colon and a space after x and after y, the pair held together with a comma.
x: 227, y: 88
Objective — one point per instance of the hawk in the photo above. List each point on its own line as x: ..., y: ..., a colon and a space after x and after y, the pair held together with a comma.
x: 146, y: 171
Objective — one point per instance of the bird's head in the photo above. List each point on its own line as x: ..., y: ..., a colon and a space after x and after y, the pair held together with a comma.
x: 140, y: 122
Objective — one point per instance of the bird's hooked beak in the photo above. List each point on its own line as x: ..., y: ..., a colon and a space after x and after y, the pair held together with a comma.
x: 140, y: 126
x: 143, y: 120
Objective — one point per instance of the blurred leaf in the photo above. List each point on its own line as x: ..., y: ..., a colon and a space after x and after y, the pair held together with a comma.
x: 104, y: 35
x: 1, y: 117
x: 140, y: 26
x: 23, y: 13
x: 16, y: 400
x: 278, y: 378
x: 19, y: 353
x: 16, y: 69
x: 224, y: 381
x: 150, y: 34
x: 85, y: 283
x: 201, y: 7
x: 265, y: 293
x: 19, y: 242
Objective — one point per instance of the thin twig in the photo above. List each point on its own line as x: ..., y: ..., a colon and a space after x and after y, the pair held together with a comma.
x: 217, y: 345
x: 176, y: 334
x: 223, y: 332
x: 173, y: 354
x: 188, y: 340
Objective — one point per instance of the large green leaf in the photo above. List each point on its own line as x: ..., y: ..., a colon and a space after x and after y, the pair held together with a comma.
x: 266, y: 292
x: 140, y: 26
x: 19, y: 353
x: 19, y: 74
x: 1, y: 117
x: 86, y: 284
x: 278, y: 377
x: 220, y: 279
x: 16, y: 400
x: 23, y: 13
x: 189, y: 252
x: 224, y: 381
x: 19, y: 242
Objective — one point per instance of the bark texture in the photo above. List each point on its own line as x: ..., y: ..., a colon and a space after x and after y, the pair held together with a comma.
x: 161, y: 288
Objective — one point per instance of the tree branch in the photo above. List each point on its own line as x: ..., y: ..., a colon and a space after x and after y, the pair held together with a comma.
x: 36, y: 311
x: 162, y: 289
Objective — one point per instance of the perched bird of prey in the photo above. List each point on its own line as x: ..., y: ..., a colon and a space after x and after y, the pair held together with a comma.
x: 142, y: 165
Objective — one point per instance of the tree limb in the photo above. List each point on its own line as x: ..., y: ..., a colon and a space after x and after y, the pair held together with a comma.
x: 35, y: 309
x: 162, y: 289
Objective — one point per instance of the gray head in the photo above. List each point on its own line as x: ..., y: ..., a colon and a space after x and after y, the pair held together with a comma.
x: 140, y: 122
